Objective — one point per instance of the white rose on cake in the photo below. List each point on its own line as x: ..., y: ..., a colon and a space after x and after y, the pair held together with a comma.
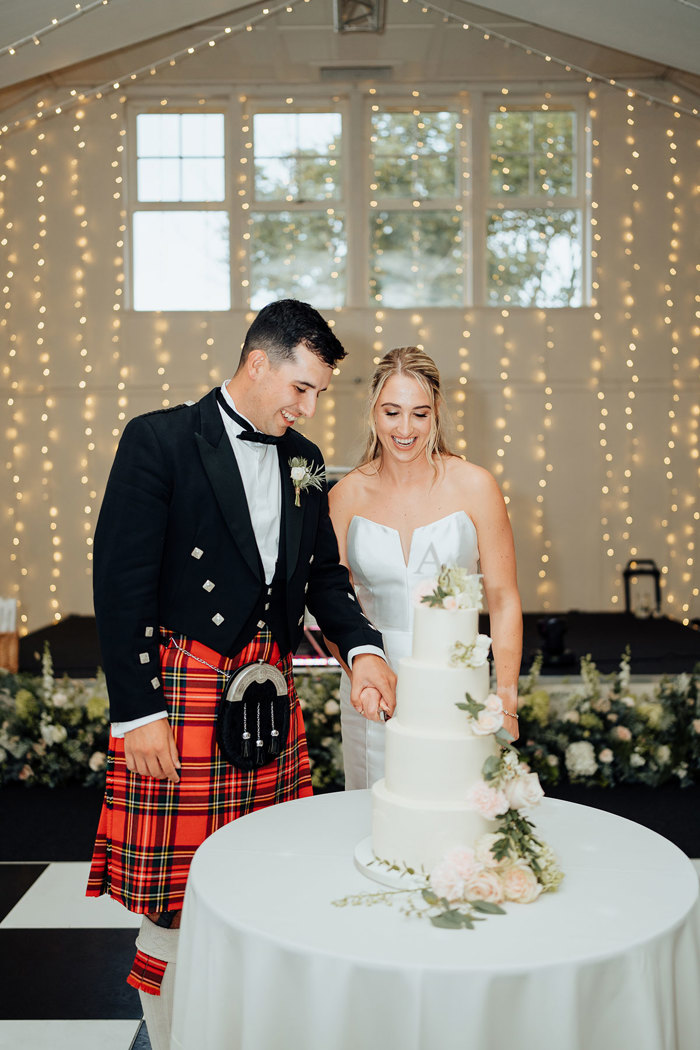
x: 490, y: 718
x: 523, y: 790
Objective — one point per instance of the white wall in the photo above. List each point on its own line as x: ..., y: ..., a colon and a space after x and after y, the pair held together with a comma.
x: 576, y: 353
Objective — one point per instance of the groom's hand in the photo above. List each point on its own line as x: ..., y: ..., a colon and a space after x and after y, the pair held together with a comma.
x: 373, y: 675
x: 151, y: 751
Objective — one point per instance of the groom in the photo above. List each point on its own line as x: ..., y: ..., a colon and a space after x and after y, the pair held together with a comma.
x: 209, y: 544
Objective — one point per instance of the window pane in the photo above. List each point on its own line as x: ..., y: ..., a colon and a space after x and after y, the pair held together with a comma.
x: 532, y: 153
x: 317, y: 177
x: 202, y: 134
x: 414, y: 155
x: 159, y: 179
x: 534, y: 257
x: 181, y: 260
x: 202, y: 180
x: 416, y: 259
x: 554, y: 131
x: 163, y: 139
x: 300, y: 254
x: 556, y: 176
x: 273, y: 178
x: 158, y: 134
x: 511, y: 131
x: 297, y: 156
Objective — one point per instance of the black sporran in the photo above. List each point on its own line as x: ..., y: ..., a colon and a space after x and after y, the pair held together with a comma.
x: 252, y: 722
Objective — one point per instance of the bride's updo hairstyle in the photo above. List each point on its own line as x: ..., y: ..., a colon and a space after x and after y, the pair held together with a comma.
x: 407, y: 361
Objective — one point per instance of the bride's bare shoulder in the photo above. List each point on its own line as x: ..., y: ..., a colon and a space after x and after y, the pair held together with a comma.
x: 352, y: 488
x: 469, y: 475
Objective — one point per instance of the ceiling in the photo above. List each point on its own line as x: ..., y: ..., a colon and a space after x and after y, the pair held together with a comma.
x: 664, y: 35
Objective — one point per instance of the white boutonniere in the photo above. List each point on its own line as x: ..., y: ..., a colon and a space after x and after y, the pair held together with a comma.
x: 304, y: 477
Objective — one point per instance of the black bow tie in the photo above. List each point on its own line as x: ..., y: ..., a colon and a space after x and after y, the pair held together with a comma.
x: 247, y: 433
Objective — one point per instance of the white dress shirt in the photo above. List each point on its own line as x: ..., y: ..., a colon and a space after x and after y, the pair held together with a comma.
x: 260, y: 473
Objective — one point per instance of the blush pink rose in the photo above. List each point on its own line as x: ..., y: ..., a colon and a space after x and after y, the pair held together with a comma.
x: 622, y: 733
x: 606, y: 755
x: 446, y: 882
x: 524, y: 790
x: 463, y: 861
x: 485, y: 886
x: 520, y: 884
x: 450, y: 602
x: 488, y: 801
x: 493, y: 703
x: 483, y: 847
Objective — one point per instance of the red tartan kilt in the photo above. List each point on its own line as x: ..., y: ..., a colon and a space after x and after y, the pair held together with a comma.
x: 149, y: 829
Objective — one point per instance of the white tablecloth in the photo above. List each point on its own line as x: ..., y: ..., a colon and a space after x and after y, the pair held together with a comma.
x: 266, y: 962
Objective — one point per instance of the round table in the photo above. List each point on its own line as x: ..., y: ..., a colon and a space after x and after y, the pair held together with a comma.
x: 267, y: 962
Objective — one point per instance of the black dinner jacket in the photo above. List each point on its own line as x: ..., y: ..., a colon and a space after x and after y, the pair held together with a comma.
x: 174, y: 547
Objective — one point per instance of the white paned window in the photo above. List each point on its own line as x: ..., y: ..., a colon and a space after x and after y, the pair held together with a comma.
x: 358, y: 201
x: 297, y: 244
x: 416, y: 222
x: 533, y: 228
x: 180, y: 213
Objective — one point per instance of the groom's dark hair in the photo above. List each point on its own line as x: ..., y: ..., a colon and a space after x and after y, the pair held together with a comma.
x: 283, y: 325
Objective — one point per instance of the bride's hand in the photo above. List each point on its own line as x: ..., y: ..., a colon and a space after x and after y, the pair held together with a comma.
x: 370, y: 703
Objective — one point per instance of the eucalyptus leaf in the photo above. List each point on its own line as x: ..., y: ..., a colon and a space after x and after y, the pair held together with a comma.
x: 488, y: 907
x: 430, y: 897
x: 448, y: 920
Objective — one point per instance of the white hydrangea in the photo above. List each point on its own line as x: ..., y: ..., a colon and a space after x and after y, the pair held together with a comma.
x: 580, y: 759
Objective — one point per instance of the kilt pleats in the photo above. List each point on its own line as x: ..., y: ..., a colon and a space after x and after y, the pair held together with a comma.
x: 149, y: 829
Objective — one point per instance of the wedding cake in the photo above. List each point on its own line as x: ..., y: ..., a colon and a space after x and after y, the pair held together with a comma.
x: 435, y: 753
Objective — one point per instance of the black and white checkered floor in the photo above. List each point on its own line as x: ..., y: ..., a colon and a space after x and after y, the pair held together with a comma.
x: 64, y: 957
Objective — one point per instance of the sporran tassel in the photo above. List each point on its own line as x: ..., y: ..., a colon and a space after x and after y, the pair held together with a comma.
x: 275, y: 741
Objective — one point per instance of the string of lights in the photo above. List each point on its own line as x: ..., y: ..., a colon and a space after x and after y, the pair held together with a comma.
x: 81, y: 338
x: 630, y: 275
x: 542, y: 378
x: 15, y: 448
x: 570, y: 67
x: 598, y: 362
x: 45, y: 110
x: 55, y: 23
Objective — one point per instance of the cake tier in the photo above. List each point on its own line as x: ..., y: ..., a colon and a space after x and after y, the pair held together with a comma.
x: 419, y: 834
x: 431, y: 766
x: 435, y: 631
x: 427, y: 696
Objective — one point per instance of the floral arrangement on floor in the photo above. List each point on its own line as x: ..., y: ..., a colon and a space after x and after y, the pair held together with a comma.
x: 508, y: 864
x: 318, y: 694
x: 607, y: 732
x: 52, y: 731
x: 454, y: 588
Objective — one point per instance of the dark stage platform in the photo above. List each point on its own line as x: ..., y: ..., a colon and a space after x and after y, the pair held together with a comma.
x: 659, y: 645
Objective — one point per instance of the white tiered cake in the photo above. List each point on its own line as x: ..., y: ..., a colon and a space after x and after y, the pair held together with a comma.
x: 420, y: 808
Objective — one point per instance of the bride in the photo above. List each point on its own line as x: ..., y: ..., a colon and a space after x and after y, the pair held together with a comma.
x: 410, y: 506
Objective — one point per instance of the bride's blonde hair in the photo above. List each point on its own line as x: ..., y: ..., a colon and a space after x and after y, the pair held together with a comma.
x: 407, y: 361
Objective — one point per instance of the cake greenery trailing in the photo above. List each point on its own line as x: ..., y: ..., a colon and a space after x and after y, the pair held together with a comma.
x: 509, y: 864
x: 454, y: 588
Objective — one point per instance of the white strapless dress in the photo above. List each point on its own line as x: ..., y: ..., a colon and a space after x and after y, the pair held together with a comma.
x: 385, y: 584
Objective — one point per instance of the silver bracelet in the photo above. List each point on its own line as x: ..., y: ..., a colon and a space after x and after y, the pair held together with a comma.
x: 511, y: 714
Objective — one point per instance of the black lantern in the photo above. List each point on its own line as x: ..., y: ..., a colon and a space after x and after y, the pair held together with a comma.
x: 643, y: 606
